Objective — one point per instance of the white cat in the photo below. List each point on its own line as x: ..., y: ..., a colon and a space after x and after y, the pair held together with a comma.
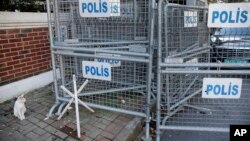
x: 19, y: 107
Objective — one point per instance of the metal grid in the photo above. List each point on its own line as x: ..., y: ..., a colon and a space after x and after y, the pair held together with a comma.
x: 186, y: 55
x: 127, y: 90
x: 131, y: 25
x: 126, y: 38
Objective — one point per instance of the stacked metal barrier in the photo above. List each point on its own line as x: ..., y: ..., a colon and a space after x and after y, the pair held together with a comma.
x: 124, y: 41
x: 185, y: 60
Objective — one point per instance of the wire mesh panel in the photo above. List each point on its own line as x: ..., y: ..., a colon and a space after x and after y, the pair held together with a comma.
x: 127, y: 90
x: 121, y: 40
x: 195, y: 62
x: 131, y: 24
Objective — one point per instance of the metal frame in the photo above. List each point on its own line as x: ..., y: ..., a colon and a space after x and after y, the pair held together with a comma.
x: 92, y: 49
x: 168, y: 74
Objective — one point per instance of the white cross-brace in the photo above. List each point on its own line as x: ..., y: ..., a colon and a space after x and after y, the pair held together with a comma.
x: 75, y: 97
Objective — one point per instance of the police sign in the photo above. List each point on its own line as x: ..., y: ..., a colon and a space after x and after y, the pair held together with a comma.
x: 228, y: 88
x: 96, y: 70
x: 99, y: 8
x: 190, y: 18
x: 229, y: 15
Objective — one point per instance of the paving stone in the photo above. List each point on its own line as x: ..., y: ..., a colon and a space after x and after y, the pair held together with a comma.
x: 40, y: 116
x: 39, y: 131
x: 49, y: 121
x: 94, y: 132
x: 23, y: 122
x: 104, y: 121
x: 50, y: 129
x: 33, y: 119
x: 32, y: 136
x: 98, y: 126
x: 101, y: 138
x: 41, y: 124
x: 44, y: 137
x: 70, y: 139
x: 108, y: 135
x: 61, y: 134
x: 27, y: 128
x: 51, y: 138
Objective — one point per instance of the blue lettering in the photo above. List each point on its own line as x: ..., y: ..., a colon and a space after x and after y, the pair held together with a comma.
x: 97, y: 72
x: 235, y: 90
x: 238, y: 15
x: 104, y: 7
x: 217, y: 89
x: 243, y: 17
x: 90, y: 7
x: 84, y: 6
x: 223, y: 16
x: 95, y: 8
x: 93, y: 72
x: 209, y: 88
x: 230, y: 18
x: 215, y: 15
x: 106, y: 72
x: 114, y: 9
x: 229, y: 89
x: 87, y: 69
x: 223, y: 90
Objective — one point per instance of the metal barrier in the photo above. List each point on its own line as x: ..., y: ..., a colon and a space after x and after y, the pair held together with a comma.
x: 124, y: 41
x: 188, y: 63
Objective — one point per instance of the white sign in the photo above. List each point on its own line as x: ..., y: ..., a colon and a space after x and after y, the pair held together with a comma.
x: 99, y: 8
x: 112, y: 62
x: 227, y: 88
x: 190, y: 19
x: 96, y: 70
x: 229, y: 15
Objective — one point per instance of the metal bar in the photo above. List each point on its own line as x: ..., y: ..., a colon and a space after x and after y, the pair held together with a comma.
x: 111, y: 90
x: 195, y: 128
x: 76, y: 108
x: 65, y: 109
x: 82, y: 86
x: 110, y: 108
x: 52, y: 55
x: 99, y: 50
x: 133, y: 59
x: 207, y: 71
x: 229, y: 65
x: 185, y: 99
x: 185, y: 6
x: 171, y: 114
x: 149, y: 70
x: 189, y: 51
x: 195, y: 54
x: 158, y: 101
x: 72, y: 95
x: 205, y: 110
x: 100, y: 43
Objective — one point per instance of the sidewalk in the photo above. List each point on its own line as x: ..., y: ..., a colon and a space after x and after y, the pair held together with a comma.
x: 99, y: 126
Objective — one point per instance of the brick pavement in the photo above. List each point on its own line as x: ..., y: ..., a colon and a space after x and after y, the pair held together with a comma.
x: 98, y: 126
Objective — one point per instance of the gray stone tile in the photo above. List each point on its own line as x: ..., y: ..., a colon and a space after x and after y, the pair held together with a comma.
x: 50, y: 129
x: 70, y: 139
x: 32, y: 136
x: 41, y: 124
x: 61, y: 134
x: 33, y: 119
x: 39, y: 131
